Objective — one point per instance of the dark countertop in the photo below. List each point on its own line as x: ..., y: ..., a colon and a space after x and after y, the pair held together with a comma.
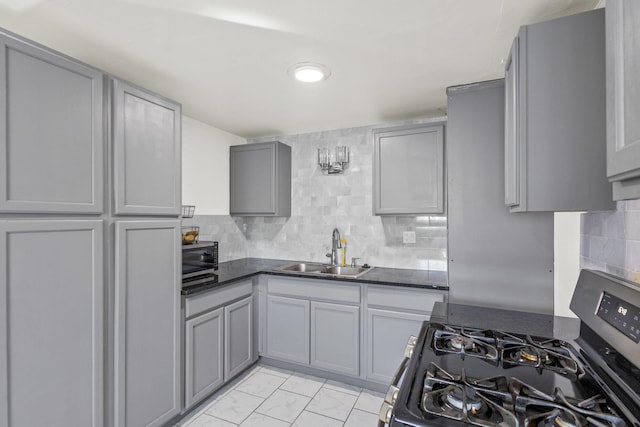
x: 517, y: 322
x: 247, y: 267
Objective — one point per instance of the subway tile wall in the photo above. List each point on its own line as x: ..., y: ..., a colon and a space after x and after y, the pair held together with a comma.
x: 320, y: 203
x: 610, y: 241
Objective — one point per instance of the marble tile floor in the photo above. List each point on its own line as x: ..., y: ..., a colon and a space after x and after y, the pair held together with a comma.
x: 269, y: 397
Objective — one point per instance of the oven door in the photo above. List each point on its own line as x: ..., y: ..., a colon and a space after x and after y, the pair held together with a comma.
x: 386, y: 410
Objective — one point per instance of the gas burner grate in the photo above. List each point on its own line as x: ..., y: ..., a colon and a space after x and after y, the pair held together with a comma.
x: 476, y: 402
x: 466, y: 342
x: 558, y: 410
x: 506, y: 350
x: 548, y: 354
x: 501, y: 402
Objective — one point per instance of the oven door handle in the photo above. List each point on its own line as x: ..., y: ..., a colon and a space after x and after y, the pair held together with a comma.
x: 392, y: 393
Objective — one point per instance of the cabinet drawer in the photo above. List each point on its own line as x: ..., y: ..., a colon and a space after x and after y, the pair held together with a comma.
x: 404, y: 298
x: 217, y: 297
x: 315, y: 289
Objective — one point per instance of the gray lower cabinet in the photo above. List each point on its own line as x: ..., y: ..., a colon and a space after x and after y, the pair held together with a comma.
x: 219, y: 339
x: 146, y: 152
x: 238, y: 337
x: 288, y: 330
x: 555, y: 117
x: 623, y: 97
x: 147, y: 340
x: 51, y: 131
x: 51, y: 323
x: 314, y: 323
x: 204, y: 342
x: 260, y: 179
x: 393, y: 314
x: 335, y: 337
x: 387, y: 334
x: 408, y: 171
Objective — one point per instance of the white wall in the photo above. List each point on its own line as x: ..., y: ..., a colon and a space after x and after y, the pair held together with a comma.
x: 205, y: 166
x: 566, y: 248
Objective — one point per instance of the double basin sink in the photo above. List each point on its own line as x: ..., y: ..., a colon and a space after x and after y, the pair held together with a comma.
x: 316, y: 269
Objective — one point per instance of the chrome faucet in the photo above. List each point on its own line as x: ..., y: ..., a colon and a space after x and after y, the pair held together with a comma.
x: 335, y: 245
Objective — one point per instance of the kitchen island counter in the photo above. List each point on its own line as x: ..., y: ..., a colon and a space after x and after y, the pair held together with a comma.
x: 244, y: 268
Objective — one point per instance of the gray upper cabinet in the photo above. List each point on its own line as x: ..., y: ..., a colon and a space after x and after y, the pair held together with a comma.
x: 260, y: 179
x: 623, y: 97
x: 147, y: 322
x: 408, y: 171
x: 51, y: 131
x: 51, y: 323
x: 146, y: 152
x: 555, y: 118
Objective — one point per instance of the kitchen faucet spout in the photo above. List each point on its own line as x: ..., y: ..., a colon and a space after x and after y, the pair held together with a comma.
x: 335, y: 245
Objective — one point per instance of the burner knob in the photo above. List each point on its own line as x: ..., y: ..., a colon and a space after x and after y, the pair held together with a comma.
x: 385, y: 413
x: 408, y: 351
x: 392, y: 395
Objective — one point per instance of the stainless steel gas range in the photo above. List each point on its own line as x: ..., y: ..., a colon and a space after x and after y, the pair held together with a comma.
x: 461, y: 373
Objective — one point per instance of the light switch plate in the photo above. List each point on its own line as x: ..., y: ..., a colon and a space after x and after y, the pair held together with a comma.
x: 408, y: 237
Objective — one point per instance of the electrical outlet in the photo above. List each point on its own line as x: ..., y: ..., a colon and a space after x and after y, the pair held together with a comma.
x: 408, y: 237
x: 635, y: 276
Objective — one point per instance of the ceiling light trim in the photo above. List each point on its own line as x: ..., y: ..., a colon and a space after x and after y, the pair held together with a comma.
x: 309, y: 72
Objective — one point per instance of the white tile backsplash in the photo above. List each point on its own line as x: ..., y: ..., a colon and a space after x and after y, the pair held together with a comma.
x: 321, y: 202
x: 610, y: 241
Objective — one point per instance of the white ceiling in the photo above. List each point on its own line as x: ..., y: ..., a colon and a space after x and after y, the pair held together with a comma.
x: 226, y: 60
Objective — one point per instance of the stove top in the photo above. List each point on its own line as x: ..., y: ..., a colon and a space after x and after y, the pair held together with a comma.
x: 493, y: 378
x: 495, y: 368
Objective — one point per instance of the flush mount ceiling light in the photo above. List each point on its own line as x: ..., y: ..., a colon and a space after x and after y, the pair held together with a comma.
x: 309, y: 72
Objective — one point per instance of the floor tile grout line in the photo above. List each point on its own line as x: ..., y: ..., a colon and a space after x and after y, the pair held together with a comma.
x: 324, y: 381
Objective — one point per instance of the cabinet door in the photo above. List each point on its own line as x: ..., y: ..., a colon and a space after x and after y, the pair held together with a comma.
x: 623, y: 97
x: 51, y: 132
x: 288, y: 329
x: 387, y: 335
x: 511, y: 139
x: 51, y: 323
x: 147, y: 322
x: 238, y: 337
x: 253, y: 179
x: 147, y: 152
x: 203, y: 356
x: 335, y: 337
x: 408, y: 170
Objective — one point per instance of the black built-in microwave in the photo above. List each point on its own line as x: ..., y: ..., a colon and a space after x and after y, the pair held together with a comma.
x: 199, y: 264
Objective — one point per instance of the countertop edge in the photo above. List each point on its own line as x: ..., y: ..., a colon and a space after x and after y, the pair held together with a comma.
x: 231, y: 277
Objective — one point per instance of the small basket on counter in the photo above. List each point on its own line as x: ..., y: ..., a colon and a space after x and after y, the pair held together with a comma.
x: 188, y: 211
x: 190, y: 234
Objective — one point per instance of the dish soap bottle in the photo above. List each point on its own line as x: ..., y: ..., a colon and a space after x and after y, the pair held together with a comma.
x: 343, y: 245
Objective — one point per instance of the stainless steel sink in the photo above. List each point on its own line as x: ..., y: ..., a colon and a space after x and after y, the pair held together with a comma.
x: 302, y: 267
x: 313, y: 268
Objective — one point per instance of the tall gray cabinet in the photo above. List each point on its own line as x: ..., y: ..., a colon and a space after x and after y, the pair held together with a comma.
x: 145, y: 204
x: 51, y: 262
x: 623, y: 97
x: 496, y: 258
x: 89, y: 282
x: 555, y: 118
